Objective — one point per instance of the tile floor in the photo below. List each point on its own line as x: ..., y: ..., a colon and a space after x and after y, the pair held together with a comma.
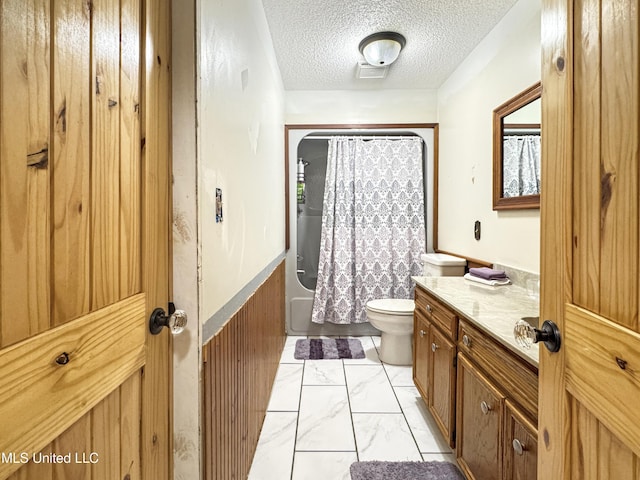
x: 324, y: 415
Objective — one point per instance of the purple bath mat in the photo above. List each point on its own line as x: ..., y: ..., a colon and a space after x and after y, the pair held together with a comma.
x: 405, y: 471
x: 328, y: 349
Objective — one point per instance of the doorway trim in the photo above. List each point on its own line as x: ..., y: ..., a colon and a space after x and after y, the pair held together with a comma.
x: 361, y: 126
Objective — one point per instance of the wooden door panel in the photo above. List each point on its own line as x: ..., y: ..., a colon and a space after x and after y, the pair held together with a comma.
x: 105, y: 153
x: 69, y: 160
x: 598, y: 349
x: 598, y: 454
x: 40, y: 399
x: 24, y: 184
x: 124, y: 441
x: 130, y: 151
x: 619, y: 169
x: 606, y: 159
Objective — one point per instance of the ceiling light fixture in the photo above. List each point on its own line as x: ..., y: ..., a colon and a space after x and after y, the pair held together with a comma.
x: 382, y: 48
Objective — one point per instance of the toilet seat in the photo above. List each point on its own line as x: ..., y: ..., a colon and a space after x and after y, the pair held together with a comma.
x: 392, y: 306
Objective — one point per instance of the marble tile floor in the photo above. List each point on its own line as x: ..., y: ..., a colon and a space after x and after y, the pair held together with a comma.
x: 324, y: 415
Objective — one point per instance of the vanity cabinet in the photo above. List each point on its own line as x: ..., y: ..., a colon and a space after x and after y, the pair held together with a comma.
x: 434, y: 362
x: 421, y: 353
x: 497, y: 407
x: 520, y: 445
x: 480, y: 423
x: 442, y: 399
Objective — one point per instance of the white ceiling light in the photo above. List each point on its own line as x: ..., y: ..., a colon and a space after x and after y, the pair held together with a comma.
x: 382, y: 48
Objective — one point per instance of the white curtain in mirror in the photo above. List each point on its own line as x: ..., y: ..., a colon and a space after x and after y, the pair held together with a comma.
x: 521, y: 165
x: 373, y: 229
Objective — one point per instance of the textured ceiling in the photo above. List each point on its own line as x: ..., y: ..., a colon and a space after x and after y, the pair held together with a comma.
x: 316, y: 41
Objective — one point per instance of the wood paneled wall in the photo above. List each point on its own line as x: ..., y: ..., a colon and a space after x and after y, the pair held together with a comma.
x: 240, y: 364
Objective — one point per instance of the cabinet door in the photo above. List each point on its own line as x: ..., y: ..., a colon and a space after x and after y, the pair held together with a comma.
x: 520, y: 446
x: 480, y: 413
x: 442, y: 386
x: 421, y: 354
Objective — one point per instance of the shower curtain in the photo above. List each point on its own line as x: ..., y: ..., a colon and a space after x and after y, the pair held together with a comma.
x: 521, y: 165
x: 372, y: 226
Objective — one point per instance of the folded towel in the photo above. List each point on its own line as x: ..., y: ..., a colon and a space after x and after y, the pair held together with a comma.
x: 473, y: 278
x: 488, y: 273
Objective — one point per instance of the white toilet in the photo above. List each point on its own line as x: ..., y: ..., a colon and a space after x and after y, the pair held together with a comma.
x: 394, y: 318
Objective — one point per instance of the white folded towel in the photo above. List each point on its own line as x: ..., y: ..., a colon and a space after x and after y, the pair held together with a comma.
x: 493, y: 283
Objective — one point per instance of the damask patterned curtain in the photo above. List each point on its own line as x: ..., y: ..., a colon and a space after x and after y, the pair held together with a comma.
x: 373, y: 229
x: 521, y: 165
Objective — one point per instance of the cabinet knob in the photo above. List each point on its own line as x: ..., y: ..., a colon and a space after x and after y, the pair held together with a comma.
x: 422, y: 333
x: 434, y: 347
x: 466, y: 341
x: 484, y: 406
x: 518, y: 447
x: 429, y: 308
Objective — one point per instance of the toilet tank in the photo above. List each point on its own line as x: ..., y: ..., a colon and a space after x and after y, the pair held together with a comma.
x: 442, y: 265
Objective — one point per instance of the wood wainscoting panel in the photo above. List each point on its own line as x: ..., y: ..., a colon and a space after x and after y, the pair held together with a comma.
x: 240, y: 364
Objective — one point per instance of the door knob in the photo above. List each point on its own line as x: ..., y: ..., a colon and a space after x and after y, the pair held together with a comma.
x: 176, y: 321
x: 526, y: 335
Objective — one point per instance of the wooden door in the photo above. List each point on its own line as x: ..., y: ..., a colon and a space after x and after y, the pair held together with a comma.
x: 84, y: 239
x: 589, y: 424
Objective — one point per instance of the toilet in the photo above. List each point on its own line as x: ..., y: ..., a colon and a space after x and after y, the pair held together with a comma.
x: 442, y: 265
x: 394, y: 318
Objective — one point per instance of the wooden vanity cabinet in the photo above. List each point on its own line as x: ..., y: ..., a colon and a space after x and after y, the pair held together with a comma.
x: 421, y: 353
x: 480, y: 417
x: 434, y: 362
x: 442, y: 373
x: 497, y: 409
x: 520, y: 445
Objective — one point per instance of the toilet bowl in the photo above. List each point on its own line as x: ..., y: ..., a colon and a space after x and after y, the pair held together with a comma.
x: 394, y: 319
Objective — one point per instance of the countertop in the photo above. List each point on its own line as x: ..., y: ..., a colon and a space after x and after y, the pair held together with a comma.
x: 495, y: 310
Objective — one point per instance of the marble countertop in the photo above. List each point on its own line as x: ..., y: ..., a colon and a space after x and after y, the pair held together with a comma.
x: 494, y: 310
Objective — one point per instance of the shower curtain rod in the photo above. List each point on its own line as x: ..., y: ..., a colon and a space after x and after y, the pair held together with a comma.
x: 364, y: 137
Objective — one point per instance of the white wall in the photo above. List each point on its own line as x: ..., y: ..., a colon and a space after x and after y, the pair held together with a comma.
x: 365, y: 106
x: 232, y: 138
x: 505, y: 63
x: 241, y: 148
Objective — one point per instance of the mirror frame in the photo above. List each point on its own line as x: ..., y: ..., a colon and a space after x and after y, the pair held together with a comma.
x: 510, y: 203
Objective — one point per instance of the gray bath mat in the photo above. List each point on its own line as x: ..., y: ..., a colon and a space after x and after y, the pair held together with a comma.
x: 328, y: 349
x: 405, y: 471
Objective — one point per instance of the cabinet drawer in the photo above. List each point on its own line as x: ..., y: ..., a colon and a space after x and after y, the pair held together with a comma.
x: 513, y: 374
x: 437, y: 313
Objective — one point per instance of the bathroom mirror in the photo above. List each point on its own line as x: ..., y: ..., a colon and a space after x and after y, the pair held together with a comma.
x: 516, y: 151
